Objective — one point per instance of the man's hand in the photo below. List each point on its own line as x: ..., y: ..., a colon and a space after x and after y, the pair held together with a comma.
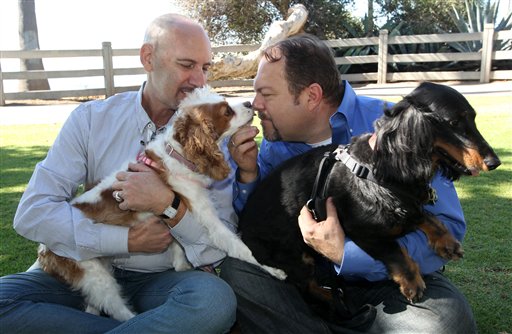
x: 142, y: 189
x: 244, y: 150
x: 150, y: 236
x: 326, y: 237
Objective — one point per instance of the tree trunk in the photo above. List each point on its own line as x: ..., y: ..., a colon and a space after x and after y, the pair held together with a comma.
x: 231, y: 67
x: 369, y: 31
x: 29, y: 40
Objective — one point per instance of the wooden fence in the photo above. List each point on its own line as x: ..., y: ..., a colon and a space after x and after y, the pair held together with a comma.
x: 485, y: 74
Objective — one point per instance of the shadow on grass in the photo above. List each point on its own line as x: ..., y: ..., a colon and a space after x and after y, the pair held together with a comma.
x: 17, y: 164
x: 16, y: 167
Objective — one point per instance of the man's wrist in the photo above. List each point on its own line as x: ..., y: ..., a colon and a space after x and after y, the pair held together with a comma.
x: 247, y: 177
x: 171, y: 210
x: 180, y: 212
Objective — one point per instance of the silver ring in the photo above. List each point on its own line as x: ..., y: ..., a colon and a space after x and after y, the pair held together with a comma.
x: 117, y: 196
x: 233, y: 143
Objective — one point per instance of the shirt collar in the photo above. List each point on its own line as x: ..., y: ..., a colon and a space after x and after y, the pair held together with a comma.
x: 348, y: 103
x: 145, y: 125
x: 341, y: 120
x: 143, y: 120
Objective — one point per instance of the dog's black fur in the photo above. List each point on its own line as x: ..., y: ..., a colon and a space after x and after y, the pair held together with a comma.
x: 410, y: 139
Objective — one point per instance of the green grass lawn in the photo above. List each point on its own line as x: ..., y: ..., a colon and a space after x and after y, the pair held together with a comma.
x: 484, y: 275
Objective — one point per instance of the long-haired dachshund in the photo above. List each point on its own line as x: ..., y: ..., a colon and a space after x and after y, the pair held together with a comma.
x: 379, y: 193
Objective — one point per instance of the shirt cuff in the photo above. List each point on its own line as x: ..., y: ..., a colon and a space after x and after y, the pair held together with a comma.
x: 187, y: 231
x: 114, y: 239
x: 96, y: 240
x: 241, y: 192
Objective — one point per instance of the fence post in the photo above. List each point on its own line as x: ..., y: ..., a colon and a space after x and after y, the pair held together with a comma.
x: 382, y: 65
x: 487, y: 45
x: 2, y: 96
x: 108, y: 68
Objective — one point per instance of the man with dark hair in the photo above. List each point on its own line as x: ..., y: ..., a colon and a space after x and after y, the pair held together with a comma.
x: 303, y: 103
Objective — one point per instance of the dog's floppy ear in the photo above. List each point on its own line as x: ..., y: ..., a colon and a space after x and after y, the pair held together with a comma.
x: 196, y: 134
x: 404, y: 142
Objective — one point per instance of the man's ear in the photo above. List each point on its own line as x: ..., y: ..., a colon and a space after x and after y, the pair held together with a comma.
x: 146, y: 57
x: 315, y: 95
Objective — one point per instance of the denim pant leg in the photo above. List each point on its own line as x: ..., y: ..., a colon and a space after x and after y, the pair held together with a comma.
x: 268, y: 305
x: 443, y: 308
x: 35, y: 302
x: 177, y: 302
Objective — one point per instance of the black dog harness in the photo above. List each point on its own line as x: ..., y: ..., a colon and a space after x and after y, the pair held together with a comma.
x: 347, y: 316
x: 316, y: 203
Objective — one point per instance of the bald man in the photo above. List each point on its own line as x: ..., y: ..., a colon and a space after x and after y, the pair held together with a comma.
x: 95, y: 140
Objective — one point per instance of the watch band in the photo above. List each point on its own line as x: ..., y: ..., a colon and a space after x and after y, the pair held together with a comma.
x: 171, y: 211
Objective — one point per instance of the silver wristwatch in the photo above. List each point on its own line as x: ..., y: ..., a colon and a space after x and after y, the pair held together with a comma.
x: 171, y: 211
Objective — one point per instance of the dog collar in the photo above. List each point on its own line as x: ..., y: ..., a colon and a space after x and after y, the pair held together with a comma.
x: 141, y: 157
x: 175, y: 154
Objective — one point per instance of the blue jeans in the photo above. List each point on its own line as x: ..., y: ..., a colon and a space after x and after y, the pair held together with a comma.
x: 166, y: 302
x: 267, y: 305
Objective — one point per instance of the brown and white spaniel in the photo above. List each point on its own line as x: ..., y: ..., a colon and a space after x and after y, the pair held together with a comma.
x: 188, y: 157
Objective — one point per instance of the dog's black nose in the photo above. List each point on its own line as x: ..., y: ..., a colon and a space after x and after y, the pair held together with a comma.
x: 492, y: 162
x: 247, y: 104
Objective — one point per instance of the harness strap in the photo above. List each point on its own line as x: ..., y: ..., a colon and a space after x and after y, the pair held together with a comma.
x: 355, y: 167
x: 316, y: 202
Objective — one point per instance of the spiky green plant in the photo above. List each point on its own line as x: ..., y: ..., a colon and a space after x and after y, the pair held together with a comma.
x: 478, y: 15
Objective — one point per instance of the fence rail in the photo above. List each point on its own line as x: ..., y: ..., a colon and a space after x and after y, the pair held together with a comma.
x: 485, y: 74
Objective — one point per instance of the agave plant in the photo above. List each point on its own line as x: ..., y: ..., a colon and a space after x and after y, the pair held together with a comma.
x: 477, y: 16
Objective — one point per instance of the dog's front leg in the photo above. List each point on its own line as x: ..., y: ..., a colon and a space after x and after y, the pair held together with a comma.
x: 401, y: 267
x: 227, y: 241
x: 179, y: 259
x: 441, y: 240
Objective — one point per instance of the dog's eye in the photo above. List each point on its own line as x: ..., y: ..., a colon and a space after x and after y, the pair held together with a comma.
x: 228, y: 112
x: 454, y: 123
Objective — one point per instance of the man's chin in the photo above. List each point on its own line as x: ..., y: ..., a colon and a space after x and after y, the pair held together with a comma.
x: 271, y: 135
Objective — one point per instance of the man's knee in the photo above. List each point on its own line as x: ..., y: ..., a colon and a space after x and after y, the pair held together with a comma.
x: 212, y: 299
x: 35, y: 285
x: 443, y: 309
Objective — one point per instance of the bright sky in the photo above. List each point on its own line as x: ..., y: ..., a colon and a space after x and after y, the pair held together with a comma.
x: 83, y: 24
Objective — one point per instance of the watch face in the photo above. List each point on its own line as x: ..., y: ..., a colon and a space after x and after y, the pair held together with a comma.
x: 169, y: 212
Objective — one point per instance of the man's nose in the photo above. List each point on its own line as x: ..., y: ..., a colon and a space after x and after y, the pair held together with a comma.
x: 256, y: 103
x: 198, y: 78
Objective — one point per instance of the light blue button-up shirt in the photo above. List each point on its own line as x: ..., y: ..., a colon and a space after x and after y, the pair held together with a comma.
x: 355, y: 116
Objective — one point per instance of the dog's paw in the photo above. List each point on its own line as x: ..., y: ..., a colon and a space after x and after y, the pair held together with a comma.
x: 277, y: 273
x: 92, y: 310
x: 183, y: 266
x: 449, y: 248
x: 123, y: 315
x: 413, y: 290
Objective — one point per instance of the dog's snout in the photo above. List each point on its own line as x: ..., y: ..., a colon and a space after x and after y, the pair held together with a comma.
x: 247, y: 104
x: 492, y: 162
